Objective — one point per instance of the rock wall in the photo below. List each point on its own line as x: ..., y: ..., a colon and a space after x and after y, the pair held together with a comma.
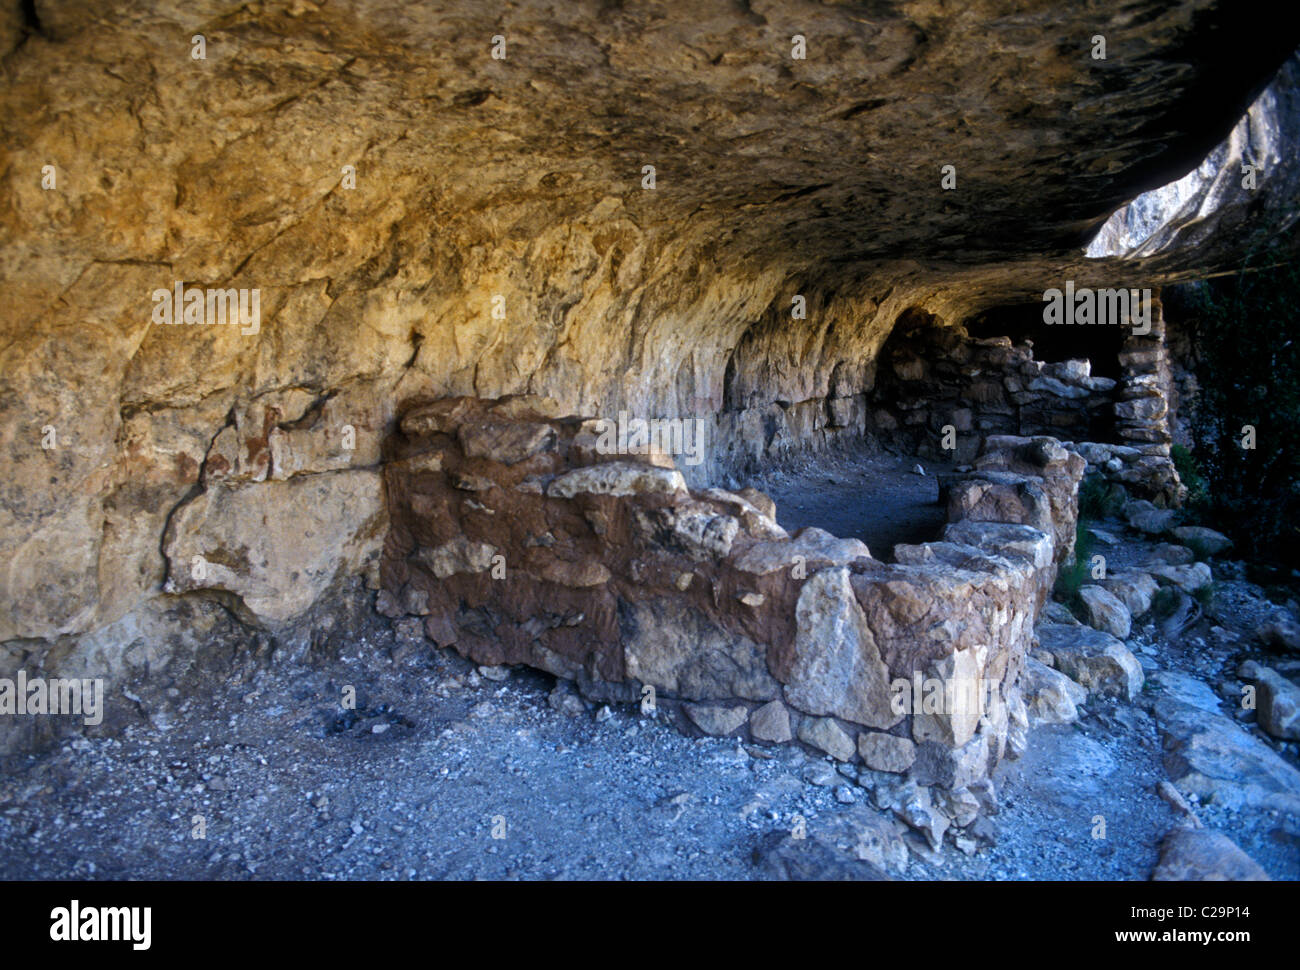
x: 517, y: 538
x: 934, y: 378
x: 941, y: 393
x: 1141, y: 459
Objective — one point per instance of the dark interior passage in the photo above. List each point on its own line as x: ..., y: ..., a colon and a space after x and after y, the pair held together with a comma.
x: 1024, y: 321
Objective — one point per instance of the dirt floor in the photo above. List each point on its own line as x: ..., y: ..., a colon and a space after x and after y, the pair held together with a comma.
x: 878, y: 498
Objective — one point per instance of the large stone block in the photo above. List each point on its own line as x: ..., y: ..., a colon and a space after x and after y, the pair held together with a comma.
x: 1094, y: 659
x: 276, y: 545
x: 680, y: 652
x: 837, y: 668
x: 617, y: 479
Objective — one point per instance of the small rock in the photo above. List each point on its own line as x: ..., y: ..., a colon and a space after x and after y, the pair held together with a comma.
x: 825, y: 734
x: 886, y: 752
x: 1172, y: 555
x: 566, y: 701
x: 771, y: 723
x: 1249, y: 670
x: 1223, y: 637
x: 717, y: 719
x: 1050, y: 696
x: 1136, y: 590
x: 1280, y: 633
x: 985, y: 791
x: 1176, y: 801
x: 951, y: 768
x: 779, y: 855
x: 1104, y: 611
x: 961, y: 805
x: 917, y: 810
x: 1211, y: 542
x: 1188, y: 578
x: 923, y: 850
x: 1277, y: 708
x: 672, y: 807
x: 820, y: 773
x: 1196, y: 855
x: 1145, y: 517
x: 1055, y: 612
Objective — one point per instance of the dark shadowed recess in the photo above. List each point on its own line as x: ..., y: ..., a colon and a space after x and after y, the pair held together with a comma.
x: 1024, y: 322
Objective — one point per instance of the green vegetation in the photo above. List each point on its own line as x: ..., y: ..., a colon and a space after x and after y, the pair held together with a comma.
x: 1246, y: 330
x: 1200, y: 550
x: 1205, y: 595
x: 1074, y: 575
x: 1164, y: 603
x: 1189, y: 471
x: 1094, y: 494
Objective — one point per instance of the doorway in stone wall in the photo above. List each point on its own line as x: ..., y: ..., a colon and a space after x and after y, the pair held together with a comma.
x: 1100, y: 346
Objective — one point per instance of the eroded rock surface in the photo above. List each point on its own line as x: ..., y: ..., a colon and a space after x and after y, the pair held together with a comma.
x: 1209, y: 756
x: 1200, y: 855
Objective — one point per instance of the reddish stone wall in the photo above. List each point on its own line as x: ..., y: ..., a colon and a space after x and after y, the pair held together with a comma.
x: 514, y: 539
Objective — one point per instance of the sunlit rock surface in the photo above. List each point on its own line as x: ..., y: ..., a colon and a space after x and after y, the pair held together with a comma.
x: 1247, y: 186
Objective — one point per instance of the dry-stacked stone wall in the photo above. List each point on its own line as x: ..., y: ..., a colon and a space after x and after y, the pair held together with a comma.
x: 933, y: 379
x: 1139, y: 455
x: 516, y: 540
x: 941, y: 394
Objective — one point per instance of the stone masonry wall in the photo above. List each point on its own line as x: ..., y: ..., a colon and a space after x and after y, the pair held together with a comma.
x: 932, y: 378
x: 514, y: 540
x: 1140, y: 457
